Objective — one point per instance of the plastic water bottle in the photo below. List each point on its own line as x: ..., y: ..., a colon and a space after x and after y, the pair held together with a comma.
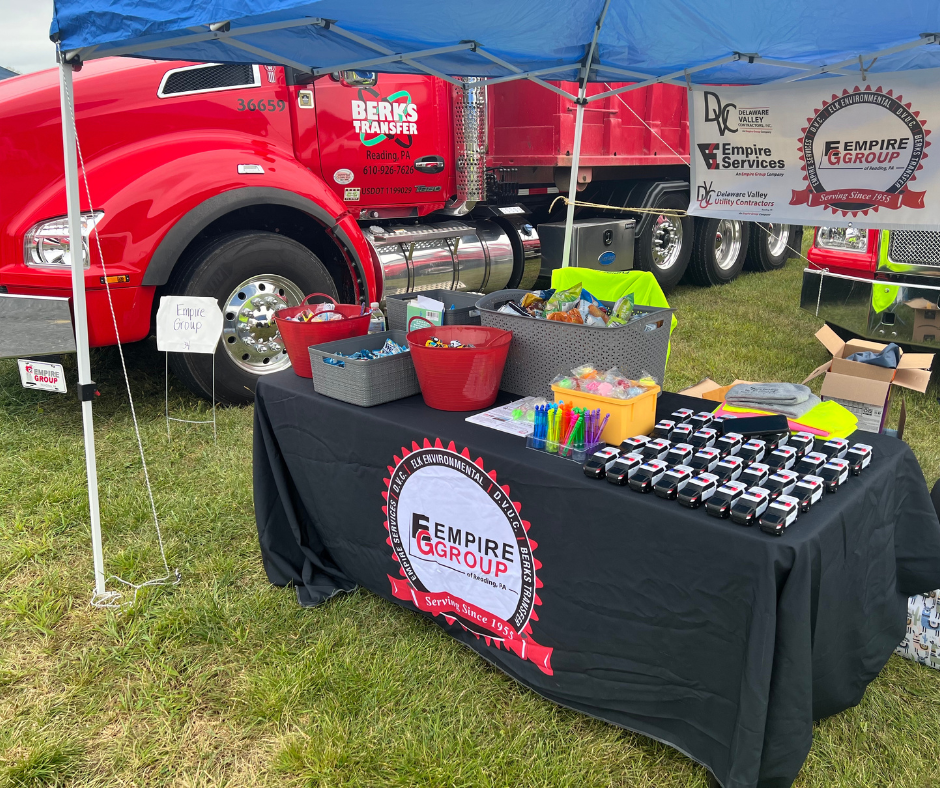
x: 377, y: 319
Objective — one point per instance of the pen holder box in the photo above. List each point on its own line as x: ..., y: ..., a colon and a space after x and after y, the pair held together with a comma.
x: 628, y: 417
x: 363, y: 382
x: 576, y: 450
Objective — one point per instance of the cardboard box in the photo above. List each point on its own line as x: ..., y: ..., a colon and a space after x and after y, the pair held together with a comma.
x: 708, y: 389
x: 863, y: 388
x: 926, y: 325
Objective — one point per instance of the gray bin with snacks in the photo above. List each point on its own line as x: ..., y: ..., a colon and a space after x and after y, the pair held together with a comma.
x: 464, y: 312
x: 363, y: 382
x: 542, y: 349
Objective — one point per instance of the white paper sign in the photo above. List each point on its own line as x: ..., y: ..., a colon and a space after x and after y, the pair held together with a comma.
x: 42, y: 375
x: 188, y: 324
x: 833, y: 151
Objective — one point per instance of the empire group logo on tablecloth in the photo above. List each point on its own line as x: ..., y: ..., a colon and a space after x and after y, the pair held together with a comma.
x: 857, y: 140
x: 464, y: 550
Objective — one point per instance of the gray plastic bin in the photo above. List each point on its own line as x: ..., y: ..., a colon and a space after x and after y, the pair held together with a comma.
x: 364, y: 382
x: 542, y: 349
x: 464, y: 313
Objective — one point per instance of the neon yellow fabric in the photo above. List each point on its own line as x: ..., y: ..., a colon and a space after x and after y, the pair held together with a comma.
x: 609, y: 286
x: 882, y: 296
x: 828, y: 416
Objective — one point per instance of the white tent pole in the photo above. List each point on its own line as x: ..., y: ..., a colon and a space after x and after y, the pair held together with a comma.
x: 578, y: 127
x: 85, y: 383
x: 573, y: 178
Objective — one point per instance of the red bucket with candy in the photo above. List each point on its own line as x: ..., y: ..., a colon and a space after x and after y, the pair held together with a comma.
x: 298, y: 336
x: 465, y: 378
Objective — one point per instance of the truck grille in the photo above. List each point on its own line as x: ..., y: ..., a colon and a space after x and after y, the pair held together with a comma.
x: 917, y: 247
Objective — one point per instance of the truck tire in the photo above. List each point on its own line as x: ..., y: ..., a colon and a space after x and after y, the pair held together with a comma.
x: 719, y: 251
x: 251, y: 274
x: 771, y: 245
x: 665, y: 246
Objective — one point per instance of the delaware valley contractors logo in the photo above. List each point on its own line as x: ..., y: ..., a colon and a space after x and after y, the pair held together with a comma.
x: 858, y: 140
x: 730, y: 118
x: 463, y: 549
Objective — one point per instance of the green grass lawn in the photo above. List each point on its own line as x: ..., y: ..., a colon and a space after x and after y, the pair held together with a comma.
x: 225, y: 681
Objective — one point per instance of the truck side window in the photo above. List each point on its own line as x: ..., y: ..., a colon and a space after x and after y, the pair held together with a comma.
x: 208, y: 78
x: 356, y: 79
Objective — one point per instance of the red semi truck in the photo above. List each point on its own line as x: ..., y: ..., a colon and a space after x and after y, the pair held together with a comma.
x: 879, y: 284
x: 257, y: 185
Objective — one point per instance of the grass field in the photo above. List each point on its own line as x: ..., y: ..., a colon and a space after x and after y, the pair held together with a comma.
x: 225, y: 681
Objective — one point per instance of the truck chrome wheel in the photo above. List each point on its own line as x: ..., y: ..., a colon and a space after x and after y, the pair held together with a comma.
x: 728, y: 240
x: 667, y: 241
x: 719, y: 250
x: 249, y: 333
x: 776, y: 237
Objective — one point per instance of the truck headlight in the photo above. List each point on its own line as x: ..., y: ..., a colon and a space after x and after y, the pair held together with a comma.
x: 47, y: 243
x: 842, y: 239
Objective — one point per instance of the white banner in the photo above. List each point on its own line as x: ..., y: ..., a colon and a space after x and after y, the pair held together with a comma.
x: 833, y: 151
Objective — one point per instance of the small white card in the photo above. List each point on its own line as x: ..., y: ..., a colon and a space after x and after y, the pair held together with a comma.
x: 188, y: 324
x: 42, y: 375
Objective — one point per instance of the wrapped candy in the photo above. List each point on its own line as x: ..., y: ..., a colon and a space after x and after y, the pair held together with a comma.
x: 610, y: 383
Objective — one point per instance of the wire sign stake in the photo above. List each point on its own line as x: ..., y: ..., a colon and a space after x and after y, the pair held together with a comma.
x: 188, y: 324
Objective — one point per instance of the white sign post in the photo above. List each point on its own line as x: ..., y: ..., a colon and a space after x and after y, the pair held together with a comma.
x: 188, y: 324
x: 820, y: 152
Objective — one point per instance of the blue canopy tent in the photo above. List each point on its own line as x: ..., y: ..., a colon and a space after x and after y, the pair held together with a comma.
x: 672, y: 41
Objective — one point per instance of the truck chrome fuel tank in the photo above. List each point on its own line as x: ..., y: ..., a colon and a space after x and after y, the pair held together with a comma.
x: 449, y: 255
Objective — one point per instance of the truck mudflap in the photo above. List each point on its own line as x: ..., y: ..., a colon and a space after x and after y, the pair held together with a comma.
x: 35, y: 326
x: 880, y: 310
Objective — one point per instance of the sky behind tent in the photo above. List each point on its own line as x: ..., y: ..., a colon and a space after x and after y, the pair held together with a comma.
x: 24, y: 35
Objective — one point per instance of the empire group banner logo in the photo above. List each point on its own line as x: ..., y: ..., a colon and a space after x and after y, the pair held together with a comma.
x: 824, y: 151
x: 850, y: 172
x: 463, y: 549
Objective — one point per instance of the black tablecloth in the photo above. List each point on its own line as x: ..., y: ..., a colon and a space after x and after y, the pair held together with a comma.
x: 717, y: 639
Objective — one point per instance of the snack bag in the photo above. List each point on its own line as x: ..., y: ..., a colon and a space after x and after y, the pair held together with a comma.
x: 533, y: 305
x: 571, y: 316
x: 593, y: 315
x: 563, y: 301
x: 622, y: 312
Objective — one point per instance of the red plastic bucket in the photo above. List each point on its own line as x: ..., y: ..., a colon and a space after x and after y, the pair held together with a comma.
x: 460, y: 379
x: 300, y: 336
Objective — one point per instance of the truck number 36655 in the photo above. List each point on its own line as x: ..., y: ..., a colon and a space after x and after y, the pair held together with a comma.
x: 261, y: 106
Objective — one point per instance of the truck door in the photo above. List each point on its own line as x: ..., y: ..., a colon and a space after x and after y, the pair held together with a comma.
x: 385, y: 139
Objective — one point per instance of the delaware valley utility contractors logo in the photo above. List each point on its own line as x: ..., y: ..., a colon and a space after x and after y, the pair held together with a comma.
x: 463, y: 549
x: 861, y: 149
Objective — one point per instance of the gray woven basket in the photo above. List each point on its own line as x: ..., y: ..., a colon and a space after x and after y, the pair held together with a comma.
x: 542, y: 349
x: 364, y: 382
x: 464, y: 313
